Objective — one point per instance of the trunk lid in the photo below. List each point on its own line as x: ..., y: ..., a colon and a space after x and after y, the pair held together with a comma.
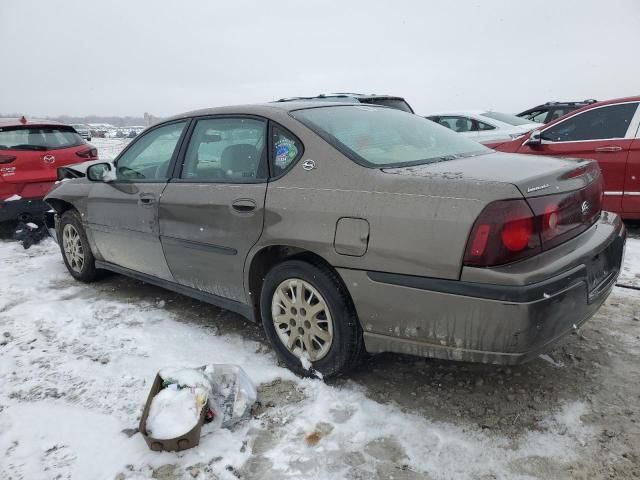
x: 533, y: 175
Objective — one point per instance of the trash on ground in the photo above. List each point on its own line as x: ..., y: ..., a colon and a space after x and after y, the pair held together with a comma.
x: 182, y: 399
x: 174, y: 412
x: 29, y: 233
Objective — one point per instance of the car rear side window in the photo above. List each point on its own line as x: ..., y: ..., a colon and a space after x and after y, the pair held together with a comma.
x: 230, y: 150
x: 38, y: 137
x: 286, y: 150
x: 602, y: 123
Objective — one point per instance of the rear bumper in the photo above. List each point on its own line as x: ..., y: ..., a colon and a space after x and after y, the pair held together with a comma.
x: 481, y: 322
x: 34, y: 207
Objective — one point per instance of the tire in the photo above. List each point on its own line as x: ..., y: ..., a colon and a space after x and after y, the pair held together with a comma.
x: 74, y: 245
x: 311, y: 328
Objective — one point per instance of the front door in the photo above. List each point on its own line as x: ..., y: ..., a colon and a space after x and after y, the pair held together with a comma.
x: 123, y: 214
x: 602, y: 134
x: 631, y: 197
x: 213, y: 212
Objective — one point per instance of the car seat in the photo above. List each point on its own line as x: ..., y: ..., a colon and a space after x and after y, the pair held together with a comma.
x: 461, y: 125
x: 240, y: 161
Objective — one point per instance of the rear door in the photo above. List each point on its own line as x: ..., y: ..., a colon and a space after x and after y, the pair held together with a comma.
x: 123, y: 214
x: 213, y: 212
x: 602, y: 134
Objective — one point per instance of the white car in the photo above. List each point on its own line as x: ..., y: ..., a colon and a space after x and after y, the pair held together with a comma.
x: 485, y: 126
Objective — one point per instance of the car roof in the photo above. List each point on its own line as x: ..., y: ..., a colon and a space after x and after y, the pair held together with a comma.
x: 261, y: 108
x: 17, y: 122
x: 567, y: 104
x: 341, y: 95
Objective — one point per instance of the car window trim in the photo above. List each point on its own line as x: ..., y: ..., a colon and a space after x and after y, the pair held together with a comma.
x: 271, y: 156
x: 177, y: 171
x: 634, y: 122
x: 174, y: 157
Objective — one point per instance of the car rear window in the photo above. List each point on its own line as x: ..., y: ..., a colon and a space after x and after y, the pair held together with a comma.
x: 382, y: 137
x: 38, y: 137
x: 506, y: 118
x: 397, y: 103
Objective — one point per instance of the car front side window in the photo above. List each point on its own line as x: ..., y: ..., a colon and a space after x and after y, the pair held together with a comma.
x: 150, y: 156
x: 226, y: 150
x: 602, y: 123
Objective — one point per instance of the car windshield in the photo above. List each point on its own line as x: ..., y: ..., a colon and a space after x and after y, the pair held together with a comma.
x: 38, y: 138
x: 382, y: 137
x: 507, y: 118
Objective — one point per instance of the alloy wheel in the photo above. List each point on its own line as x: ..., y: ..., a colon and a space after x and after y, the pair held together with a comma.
x: 302, y: 319
x: 72, y: 245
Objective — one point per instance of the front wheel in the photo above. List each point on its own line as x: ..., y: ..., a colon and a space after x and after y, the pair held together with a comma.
x: 75, y: 248
x: 309, y: 318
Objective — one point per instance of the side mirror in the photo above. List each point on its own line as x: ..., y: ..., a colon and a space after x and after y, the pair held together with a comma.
x: 534, y: 139
x: 99, y: 172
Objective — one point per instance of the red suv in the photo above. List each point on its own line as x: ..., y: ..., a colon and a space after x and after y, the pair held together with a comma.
x: 608, y: 132
x: 30, y: 153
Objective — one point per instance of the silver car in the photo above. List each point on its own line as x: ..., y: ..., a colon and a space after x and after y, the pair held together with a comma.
x: 83, y: 130
x: 345, y: 228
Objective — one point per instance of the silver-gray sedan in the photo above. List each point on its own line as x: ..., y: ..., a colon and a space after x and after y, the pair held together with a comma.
x: 345, y: 228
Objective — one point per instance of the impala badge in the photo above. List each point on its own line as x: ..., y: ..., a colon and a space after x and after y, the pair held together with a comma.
x: 586, y: 208
x: 309, y: 164
x: 535, y: 189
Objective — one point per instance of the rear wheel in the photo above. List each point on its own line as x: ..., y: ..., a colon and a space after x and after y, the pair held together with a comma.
x: 75, y: 248
x: 309, y: 318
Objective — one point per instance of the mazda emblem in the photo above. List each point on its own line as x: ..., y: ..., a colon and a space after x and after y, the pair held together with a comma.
x: 49, y: 159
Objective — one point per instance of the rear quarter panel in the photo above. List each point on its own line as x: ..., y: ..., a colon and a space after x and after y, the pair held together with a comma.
x: 418, y: 225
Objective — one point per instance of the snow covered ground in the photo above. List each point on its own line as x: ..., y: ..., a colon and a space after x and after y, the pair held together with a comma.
x: 77, y: 360
x: 76, y: 363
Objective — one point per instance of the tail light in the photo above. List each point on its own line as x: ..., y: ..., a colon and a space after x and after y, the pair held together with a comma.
x: 6, y: 159
x: 88, y: 153
x: 565, y: 215
x: 510, y: 230
x: 504, y: 232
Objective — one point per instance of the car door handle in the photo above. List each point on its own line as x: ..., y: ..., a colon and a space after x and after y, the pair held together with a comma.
x: 147, y: 198
x: 244, y: 205
x: 610, y: 148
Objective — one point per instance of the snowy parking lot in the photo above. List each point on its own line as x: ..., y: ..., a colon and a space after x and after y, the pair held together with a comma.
x: 77, y: 361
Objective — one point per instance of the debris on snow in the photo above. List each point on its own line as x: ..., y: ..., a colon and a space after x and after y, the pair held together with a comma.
x: 29, y: 234
x: 174, y: 411
x: 232, y: 393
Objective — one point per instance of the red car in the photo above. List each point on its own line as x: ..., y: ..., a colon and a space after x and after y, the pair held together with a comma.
x: 30, y: 153
x: 608, y: 132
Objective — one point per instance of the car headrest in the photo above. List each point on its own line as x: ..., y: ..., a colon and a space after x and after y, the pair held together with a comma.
x: 240, y: 160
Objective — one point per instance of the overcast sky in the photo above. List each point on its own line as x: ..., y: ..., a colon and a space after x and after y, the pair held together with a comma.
x: 125, y: 57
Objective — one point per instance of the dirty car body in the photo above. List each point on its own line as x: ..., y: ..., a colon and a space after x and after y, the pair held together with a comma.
x: 437, y: 245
